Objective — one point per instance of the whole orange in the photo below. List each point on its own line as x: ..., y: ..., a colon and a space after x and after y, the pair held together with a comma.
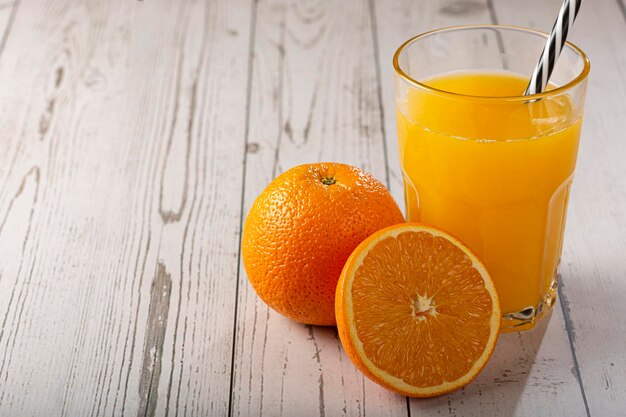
x: 301, y: 230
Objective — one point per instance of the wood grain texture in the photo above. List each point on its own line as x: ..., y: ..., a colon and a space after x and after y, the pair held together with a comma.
x: 8, y: 10
x: 135, y: 137
x: 119, y: 228
x: 594, y: 266
x: 314, y: 97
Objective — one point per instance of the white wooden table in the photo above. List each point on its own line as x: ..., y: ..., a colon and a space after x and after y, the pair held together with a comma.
x: 134, y: 138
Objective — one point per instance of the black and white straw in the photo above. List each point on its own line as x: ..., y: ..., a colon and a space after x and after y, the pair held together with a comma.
x: 554, y: 45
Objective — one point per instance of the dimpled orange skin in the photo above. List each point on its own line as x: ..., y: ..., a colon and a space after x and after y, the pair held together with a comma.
x: 301, y: 230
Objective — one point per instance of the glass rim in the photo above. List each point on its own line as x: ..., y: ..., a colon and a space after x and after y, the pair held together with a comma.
x: 425, y: 87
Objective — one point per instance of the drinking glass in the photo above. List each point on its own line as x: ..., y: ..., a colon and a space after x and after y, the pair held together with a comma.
x: 484, y: 162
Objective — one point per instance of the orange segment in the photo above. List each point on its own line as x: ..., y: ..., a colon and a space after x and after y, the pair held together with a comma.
x: 417, y: 311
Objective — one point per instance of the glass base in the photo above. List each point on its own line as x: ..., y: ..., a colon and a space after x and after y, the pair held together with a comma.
x: 527, y: 318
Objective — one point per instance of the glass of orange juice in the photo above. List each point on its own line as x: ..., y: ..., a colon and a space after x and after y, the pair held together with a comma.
x: 484, y: 162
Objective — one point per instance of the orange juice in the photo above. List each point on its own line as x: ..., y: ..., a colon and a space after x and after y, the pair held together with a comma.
x: 496, y: 173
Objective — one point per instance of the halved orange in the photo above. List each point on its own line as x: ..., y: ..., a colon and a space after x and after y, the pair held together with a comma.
x: 417, y: 312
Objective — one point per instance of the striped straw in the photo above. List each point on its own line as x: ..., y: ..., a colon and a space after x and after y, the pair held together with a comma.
x: 554, y: 45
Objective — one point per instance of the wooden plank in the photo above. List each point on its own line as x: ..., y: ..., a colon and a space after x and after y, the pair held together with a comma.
x: 314, y: 98
x: 529, y: 373
x: 594, y: 268
x: 8, y: 10
x: 118, y: 221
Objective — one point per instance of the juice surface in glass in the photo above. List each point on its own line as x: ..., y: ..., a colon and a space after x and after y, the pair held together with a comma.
x: 494, y: 173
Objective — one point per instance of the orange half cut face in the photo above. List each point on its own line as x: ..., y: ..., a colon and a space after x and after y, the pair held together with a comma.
x: 417, y: 311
